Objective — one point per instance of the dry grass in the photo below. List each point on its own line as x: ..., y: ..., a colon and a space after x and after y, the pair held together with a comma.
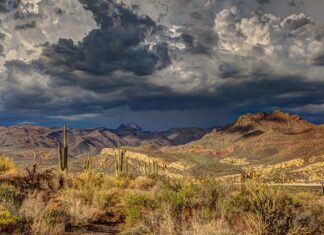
x: 33, y: 205
x: 81, y: 205
x: 145, y: 205
x: 142, y: 183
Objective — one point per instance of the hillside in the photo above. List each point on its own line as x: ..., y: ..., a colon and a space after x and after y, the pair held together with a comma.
x: 262, y: 141
x: 261, y: 138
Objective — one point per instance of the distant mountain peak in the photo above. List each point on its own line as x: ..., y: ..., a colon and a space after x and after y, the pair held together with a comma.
x: 129, y: 126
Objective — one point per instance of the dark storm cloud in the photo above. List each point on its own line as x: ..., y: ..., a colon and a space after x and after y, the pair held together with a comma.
x: 55, y: 99
x: 227, y: 70
x: 27, y: 25
x: 131, y: 61
x: 141, y: 95
x: 319, y: 60
x: 201, y: 44
x: 117, y: 45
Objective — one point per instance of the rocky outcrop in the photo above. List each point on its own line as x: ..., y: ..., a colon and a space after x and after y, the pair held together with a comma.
x: 276, y: 120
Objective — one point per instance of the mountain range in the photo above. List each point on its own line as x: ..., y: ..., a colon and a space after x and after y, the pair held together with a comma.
x: 22, y: 139
x: 260, y: 138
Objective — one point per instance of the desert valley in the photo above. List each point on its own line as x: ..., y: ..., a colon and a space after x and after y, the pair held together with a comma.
x: 104, y: 181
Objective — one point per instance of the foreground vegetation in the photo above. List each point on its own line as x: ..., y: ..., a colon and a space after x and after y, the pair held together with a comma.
x: 49, y: 202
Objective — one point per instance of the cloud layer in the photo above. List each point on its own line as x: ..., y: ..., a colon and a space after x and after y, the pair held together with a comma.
x: 83, y: 60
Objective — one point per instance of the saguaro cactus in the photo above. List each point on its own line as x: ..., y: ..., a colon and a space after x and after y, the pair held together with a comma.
x: 121, y: 163
x: 145, y: 169
x: 155, y: 167
x: 151, y: 168
x: 88, y: 164
x: 63, y: 153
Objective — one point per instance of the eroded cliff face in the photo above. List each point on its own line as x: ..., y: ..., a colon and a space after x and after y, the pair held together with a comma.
x: 167, y: 166
x: 299, y: 170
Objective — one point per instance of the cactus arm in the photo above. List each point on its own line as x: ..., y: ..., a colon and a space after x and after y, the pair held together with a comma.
x: 145, y: 169
x: 90, y: 162
x: 126, y: 165
x: 65, y: 151
x: 116, y: 165
x: 121, y: 153
x: 60, y: 160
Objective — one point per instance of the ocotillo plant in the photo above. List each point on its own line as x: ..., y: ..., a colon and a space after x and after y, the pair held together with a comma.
x: 63, y: 153
x: 121, y: 163
x: 88, y: 164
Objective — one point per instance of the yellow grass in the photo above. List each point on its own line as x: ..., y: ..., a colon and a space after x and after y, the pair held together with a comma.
x: 6, y: 165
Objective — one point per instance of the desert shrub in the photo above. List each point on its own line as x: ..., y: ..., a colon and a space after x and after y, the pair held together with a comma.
x: 136, y: 205
x: 89, y: 197
x: 51, y: 221
x: 41, y: 217
x: 9, y: 221
x: 82, y: 205
x: 197, y: 226
x: 202, y: 197
x: 274, y: 210
x: 208, y: 194
x: 10, y: 196
x: 310, y: 217
x: 92, y: 196
x: 170, y: 208
x: 180, y: 203
x: 53, y: 215
x: 142, y: 183
x: 10, y: 200
x: 6, y: 164
x: 33, y: 206
x: 121, y: 182
x: 162, y: 222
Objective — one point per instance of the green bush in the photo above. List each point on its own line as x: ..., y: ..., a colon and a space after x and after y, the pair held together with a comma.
x: 189, y: 197
x: 136, y: 205
x: 178, y: 200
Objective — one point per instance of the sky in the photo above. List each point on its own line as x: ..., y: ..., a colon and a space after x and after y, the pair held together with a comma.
x: 159, y: 63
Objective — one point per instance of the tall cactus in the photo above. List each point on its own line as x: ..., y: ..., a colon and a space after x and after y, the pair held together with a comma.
x: 121, y: 163
x: 88, y: 164
x: 145, y: 169
x: 151, y: 168
x: 63, y: 153
x: 155, y: 168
